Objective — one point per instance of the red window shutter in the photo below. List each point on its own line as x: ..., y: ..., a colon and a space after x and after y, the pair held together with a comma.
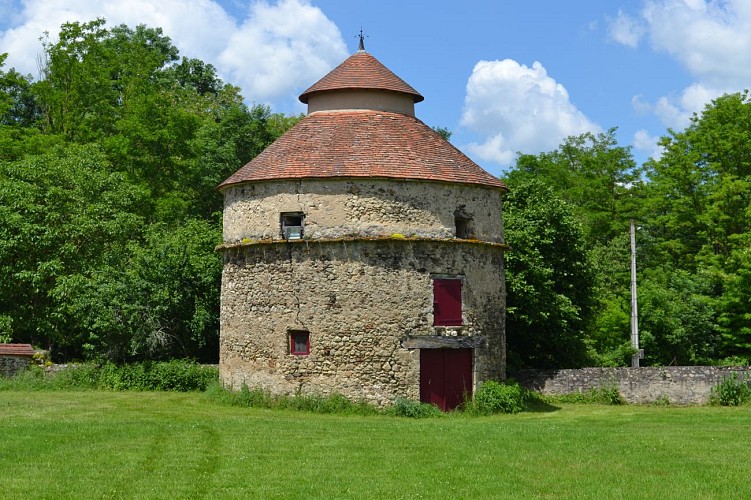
x: 447, y: 302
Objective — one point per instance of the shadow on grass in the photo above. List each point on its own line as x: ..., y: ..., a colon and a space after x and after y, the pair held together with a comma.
x: 539, y: 406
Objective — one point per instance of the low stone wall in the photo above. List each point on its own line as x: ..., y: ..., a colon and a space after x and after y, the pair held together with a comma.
x: 679, y: 384
x: 11, y: 365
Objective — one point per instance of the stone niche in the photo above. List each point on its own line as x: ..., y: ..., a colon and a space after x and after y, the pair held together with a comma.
x: 367, y: 309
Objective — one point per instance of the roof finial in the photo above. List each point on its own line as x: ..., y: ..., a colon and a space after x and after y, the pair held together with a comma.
x: 361, y: 47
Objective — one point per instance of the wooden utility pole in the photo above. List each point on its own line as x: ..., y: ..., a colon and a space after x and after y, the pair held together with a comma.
x: 634, y: 316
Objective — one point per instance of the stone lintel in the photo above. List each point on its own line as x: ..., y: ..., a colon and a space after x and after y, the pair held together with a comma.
x: 436, y: 342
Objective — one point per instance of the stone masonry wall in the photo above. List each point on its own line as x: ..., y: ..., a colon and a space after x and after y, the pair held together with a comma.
x: 679, y: 384
x: 359, y: 300
x: 10, y: 365
x: 336, y: 208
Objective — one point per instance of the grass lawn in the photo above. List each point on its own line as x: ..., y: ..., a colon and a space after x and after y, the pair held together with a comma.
x: 57, y: 444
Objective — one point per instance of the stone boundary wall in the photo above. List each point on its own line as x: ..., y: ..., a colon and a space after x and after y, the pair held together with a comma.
x: 679, y: 384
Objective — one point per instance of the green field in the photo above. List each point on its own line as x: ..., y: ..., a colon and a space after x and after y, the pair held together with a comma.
x: 175, y: 445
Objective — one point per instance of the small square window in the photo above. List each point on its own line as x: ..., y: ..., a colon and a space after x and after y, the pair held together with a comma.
x: 299, y: 343
x: 291, y: 224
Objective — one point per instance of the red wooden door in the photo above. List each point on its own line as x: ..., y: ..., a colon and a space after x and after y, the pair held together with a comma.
x: 445, y: 377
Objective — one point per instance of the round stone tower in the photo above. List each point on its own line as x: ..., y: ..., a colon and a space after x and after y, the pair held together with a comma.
x: 363, y: 253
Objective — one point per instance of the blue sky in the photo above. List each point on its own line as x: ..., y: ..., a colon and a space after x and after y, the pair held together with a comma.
x: 503, y: 76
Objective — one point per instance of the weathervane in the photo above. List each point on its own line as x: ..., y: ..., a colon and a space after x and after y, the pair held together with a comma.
x: 362, y: 40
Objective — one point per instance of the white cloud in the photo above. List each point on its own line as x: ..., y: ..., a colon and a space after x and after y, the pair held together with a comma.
x: 626, y: 29
x: 198, y: 28
x: 676, y: 111
x: 710, y: 39
x: 281, y: 47
x: 518, y: 109
x: 647, y: 144
x: 269, y: 55
x: 641, y: 106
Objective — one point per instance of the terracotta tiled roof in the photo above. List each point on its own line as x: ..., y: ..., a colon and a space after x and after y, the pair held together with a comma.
x: 361, y: 71
x: 16, y: 350
x: 362, y: 143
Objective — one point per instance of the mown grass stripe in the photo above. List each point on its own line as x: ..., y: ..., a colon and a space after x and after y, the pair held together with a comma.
x: 182, y: 445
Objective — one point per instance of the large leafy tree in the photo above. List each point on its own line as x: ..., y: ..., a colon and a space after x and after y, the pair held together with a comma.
x: 549, y: 280
x: 108, y: 207
x: 160, y: 302
x: 678, y: 318
x: 92, y: 75
x: 19, y: 116
x: 598, y: 181
x: 699, y: 209
x: 699, y: 189
x: 595, y: 175
x: 62, y: 214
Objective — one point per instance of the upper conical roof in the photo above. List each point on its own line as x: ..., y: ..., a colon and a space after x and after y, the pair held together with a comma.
x: 360, y: 143
x: 361, y: 71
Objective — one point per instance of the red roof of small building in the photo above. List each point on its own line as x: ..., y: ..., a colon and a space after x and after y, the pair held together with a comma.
x: 362, y: 143
x: 361, y: 71
x: 16, y: 350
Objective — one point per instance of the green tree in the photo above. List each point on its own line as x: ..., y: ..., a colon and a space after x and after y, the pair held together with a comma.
x: 608, y: 336
x: 677, y: 318
x: 698, y: 208
x: 220, y: 147
x: 19, y: 116
x: 163, y: 302
x: 62, y: 214
x: 699, y: 189
x: 443, y: 132
x: 108, y: 207
x: 549, y: 280
x: 17, y: 104
x: 91, y: 74
x: 595, y: 175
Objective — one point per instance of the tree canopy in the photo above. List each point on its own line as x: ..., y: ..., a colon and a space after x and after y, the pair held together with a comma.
x: 108, y: 210
x: 549, y: 279
x: 692, y: 209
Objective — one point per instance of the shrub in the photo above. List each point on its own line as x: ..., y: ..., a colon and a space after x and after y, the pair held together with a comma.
x: 733, y: 361
x: 30, y: 379
x: 259, y: 398
x: 175, y: 375
x: 732, y: 391
x: 494, y: 397
x: 608, y: 395
x: 256, y: 398
x: 74, y: 376
x: 413, y: 409
x: 178, y: 375
x: 661, y: 401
